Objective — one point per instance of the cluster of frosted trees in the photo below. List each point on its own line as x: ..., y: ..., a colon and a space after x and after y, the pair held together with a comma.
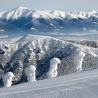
x: 30, y: 70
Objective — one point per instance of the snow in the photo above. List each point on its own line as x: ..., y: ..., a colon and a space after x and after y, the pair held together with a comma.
x: 61, y: 14
x: 30, y: 73
x: 2, y: 13
x: 21, y: 11
x: 43, y: 21
x: 35, y: 57
x: 7, y: 79
x: 15, y: 13
x: 48, y: 14
x: 53, y: 67
x: 78, y: 60
x: 81, y: 85
x: 2, y: 30
x: 36, y: 50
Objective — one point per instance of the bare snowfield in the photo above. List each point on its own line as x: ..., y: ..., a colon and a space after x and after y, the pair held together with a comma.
x: 77, y: 85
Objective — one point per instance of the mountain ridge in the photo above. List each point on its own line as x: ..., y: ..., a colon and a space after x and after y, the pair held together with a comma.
x: 43, y: 21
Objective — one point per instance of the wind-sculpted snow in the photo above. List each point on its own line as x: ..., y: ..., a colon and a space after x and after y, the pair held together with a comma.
x: 35, y: 50
x: 43, y: 21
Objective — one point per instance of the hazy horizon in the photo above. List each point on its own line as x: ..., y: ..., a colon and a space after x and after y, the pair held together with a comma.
x: 66, y: 5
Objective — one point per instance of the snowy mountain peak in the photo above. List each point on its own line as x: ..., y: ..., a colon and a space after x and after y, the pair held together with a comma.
x: 24, y: 11
x: 48, y: 21
x: 19, y: 12
x: 62, y: 14
x: 15, y: 13
x: 93, y: 12
x: 48, y: 14
x: 23, y: 8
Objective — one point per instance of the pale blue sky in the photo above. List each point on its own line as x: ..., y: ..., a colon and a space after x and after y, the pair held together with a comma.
x: 67, y: 5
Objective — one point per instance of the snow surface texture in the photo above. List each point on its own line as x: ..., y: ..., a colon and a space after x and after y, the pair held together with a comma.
x: 43, y: 21
x: 18, y: 53
x: 7, y: 79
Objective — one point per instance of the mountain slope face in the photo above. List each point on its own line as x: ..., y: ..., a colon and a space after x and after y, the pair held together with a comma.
x: 44, y: 21
x: 17, y: 53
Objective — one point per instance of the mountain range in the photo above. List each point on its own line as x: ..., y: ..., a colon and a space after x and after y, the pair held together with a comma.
x: 47, y: 21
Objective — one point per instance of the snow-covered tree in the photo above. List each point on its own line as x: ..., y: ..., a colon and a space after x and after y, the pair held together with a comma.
x: 7, y: 79
x: 78, y: 59
x: 53, y: 67
x: 30, y: 73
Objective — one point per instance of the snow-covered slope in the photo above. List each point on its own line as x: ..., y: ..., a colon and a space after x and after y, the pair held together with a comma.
x: 15, y: 13
x: 17, y: 53
x: 43, y: 21
x: 81, y: 85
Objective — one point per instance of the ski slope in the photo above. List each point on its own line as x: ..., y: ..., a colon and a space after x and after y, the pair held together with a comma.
x: 77, y: 85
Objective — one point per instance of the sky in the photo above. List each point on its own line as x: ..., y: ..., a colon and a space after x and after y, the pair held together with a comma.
x: 66, y: 5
